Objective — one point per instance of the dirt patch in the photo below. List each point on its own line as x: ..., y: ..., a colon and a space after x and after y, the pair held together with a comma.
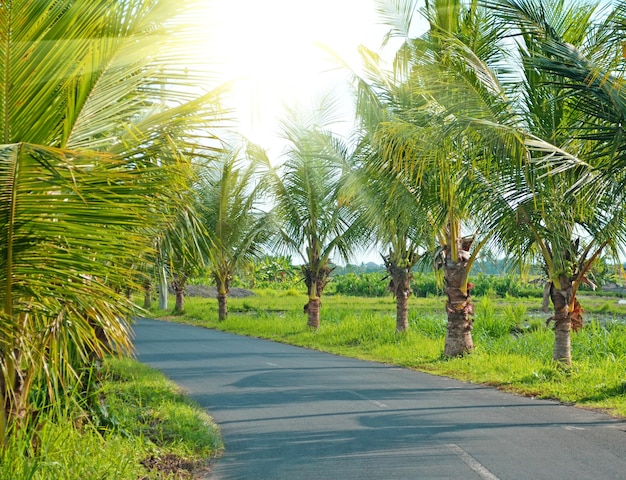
x: 173, y: 466
x: 211, y: 292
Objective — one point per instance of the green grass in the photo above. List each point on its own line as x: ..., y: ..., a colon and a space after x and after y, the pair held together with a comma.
x: 513, y: 347
x: 153, y: 433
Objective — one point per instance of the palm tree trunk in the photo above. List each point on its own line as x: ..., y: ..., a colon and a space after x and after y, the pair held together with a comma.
x: 179, y: 306
x: 222, y: 276
x: 163, y: 289
x: 315, y: 283
x: 402, y: 312
x: 460, y: 310
x: 562, y: 318
x: 313, y: 310
x: 147, y: 295
x: 222, y: 297
x: 400, y: 286
x: 222, y: 306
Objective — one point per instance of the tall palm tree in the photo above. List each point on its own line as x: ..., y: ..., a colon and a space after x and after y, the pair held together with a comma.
x: 424, y: 142
x: 232, y: 196
x: 313, y: 212
x: 97, y: 118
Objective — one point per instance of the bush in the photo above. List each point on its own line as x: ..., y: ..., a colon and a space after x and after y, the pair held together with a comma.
x: 361, y: 284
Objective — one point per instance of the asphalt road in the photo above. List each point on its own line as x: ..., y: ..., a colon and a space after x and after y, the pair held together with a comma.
x: 295, y: 414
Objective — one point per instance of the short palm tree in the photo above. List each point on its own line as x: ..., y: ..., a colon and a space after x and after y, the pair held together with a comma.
x: 398, y: 224
x: 313, y: 211
x: 231, y: 207
x: 97, y: 118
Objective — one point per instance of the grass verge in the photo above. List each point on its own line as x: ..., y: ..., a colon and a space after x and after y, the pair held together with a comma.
x: 513, y: 346
x: 152, y: 432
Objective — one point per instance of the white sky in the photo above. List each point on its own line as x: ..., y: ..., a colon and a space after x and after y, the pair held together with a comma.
x: 269, y: 47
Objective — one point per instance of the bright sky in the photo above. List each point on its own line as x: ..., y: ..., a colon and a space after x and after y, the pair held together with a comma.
x: 270, y: 48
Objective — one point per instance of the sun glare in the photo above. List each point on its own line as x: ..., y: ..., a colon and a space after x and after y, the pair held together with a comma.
x: 271, y: 49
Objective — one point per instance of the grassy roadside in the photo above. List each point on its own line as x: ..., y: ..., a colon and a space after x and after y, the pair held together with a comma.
x: 513, y: 345
x: 150, y: 431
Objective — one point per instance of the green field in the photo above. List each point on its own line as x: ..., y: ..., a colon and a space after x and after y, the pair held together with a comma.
x: 513, y: 347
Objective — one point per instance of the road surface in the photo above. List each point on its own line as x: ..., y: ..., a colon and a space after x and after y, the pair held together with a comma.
x: 295, y: 414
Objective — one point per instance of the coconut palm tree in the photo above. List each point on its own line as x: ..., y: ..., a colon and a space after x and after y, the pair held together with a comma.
x: 429, y: 146
x: 184, y: 246
x: 564, y: 214
x: 398, y: 224
x: 391, y: 209
x: 313, y: 212
x: 232, y: 196
x: 97, y: 118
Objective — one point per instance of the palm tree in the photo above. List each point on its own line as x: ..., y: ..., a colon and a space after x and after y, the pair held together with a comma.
x: 97, y: 119
x: 398, y: 223
x: 184, y: 246
x: 231, y: 197
x: 562, y: 213
x: 390, y: 208
x: 313, y: 212
x: 425, y: 142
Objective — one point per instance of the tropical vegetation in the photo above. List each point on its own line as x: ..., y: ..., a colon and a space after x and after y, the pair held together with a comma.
x: 315, y: 219
x: 496, y: 132
x: 231, y: 194
x: 100, y: 116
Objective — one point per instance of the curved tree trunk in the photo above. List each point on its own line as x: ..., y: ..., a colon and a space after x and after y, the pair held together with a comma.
x: 458, y: 306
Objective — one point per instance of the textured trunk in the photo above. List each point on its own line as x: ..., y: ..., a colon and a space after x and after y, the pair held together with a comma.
x: 458, y: 306
x: 180, y: 299
x: 313, y: 311
x: 400, y: 287
x: 315, y: 283
x: 147, y: 295
x: 402, y: 312
x: 178, y: 285
x: 222, y: 306
x: 223, y: 276
x: 562, y: 318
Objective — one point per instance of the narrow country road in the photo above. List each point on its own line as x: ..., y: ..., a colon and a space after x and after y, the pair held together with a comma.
x: 295, y: 414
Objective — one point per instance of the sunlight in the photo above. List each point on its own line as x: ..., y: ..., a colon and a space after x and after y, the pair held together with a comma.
x: 271, y: 49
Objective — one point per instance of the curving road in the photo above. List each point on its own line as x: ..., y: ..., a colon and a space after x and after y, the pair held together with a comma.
x: 295, y: 414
